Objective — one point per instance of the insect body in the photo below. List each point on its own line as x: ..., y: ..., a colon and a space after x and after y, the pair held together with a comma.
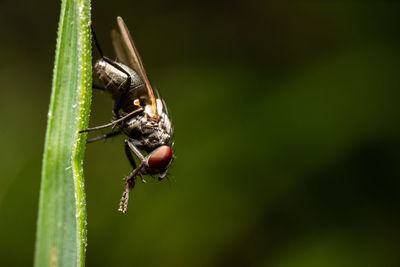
x: 138, y: 113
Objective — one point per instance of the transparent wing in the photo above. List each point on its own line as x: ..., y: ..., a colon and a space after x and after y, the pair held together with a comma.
x: 119, y: 49
x: 128, y: 54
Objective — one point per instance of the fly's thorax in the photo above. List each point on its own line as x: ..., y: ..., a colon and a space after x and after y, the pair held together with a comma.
x: 148, y: 133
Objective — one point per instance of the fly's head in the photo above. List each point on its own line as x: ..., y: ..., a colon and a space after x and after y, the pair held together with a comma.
x: 158, y: 141
x: 158, y: 161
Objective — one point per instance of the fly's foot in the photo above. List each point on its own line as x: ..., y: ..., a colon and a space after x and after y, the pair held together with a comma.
x: 130, y: 182
x: 143, y: 180
x: 162, y: 176
x: 123, y: 204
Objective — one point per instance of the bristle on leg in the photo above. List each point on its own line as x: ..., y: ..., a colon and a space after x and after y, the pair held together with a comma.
x: 129, y: 185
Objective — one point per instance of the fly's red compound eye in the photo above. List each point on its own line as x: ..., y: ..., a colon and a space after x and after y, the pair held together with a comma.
x: 160, y: 158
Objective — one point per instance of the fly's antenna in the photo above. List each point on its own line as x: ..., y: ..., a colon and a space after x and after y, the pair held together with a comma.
x: 95, y: 41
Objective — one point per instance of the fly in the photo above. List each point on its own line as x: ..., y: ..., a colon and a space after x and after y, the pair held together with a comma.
x: 138, y: 112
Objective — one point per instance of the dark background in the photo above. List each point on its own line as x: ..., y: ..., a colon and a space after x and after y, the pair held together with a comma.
x: 287, y: 134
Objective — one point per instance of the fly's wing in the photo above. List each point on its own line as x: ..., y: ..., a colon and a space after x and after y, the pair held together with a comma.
x: 119, y: 49
x: 127, y: 53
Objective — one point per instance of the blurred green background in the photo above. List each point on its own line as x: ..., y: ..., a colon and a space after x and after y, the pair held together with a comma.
x: 287, y: 134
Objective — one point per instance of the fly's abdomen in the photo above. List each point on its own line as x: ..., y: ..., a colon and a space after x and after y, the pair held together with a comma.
x: 115, y: 77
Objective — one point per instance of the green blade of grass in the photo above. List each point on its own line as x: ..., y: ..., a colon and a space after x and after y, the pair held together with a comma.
x: 61, y: 229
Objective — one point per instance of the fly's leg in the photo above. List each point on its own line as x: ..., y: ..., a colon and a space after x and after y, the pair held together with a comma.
x: 141, y: 178
x: 129, y: 145
x: 129, y: 155
x: 113, y: 123
x: 103, y: 137
x: 95, y: 40
x: 123, y: 204
x: 135, y: 150
x: 130, y: 180
x: 162, y: 176
x: 117, y: 103
x: 98, y: 87
x: 131, y: 160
